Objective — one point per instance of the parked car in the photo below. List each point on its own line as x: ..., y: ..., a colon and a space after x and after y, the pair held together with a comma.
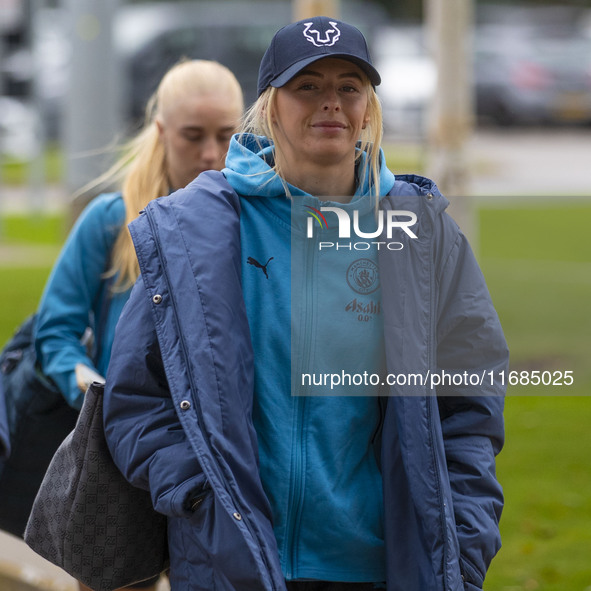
x: 18, y: 128
x: 532, y: 78
x: 408, y: 78
x: 151, y: 37
x: 523, y: 74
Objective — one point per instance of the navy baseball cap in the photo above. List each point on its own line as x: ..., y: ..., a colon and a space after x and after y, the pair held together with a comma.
x: 295, y: 46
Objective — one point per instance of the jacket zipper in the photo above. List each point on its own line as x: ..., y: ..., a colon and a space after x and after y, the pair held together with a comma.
x: 430, y: 336
x: 297, y: 490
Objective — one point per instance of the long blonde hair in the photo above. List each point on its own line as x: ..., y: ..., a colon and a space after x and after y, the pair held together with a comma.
x: 143, y: 167
x: 258, y: 120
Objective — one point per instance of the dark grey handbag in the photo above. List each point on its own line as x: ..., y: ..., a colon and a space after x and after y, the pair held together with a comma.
x: 37, y: 420
x: 87, y: 519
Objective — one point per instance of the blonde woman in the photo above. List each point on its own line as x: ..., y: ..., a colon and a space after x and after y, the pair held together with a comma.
x: 190, y: 121
x: 192, y: 117
x: 270, y: 376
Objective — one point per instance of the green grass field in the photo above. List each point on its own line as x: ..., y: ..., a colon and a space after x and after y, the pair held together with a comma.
x: 15, y: 171
x: 28, y: 247
x: 537, y: 262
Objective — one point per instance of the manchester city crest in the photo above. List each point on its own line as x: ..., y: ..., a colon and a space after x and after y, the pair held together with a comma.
x: 363, y: 276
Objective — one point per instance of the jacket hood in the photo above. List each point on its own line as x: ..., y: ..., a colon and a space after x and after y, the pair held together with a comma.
x: 249, y: 170
x: 409, y: 186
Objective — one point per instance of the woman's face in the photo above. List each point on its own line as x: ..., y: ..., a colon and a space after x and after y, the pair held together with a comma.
x: 319, y: 114
x: 196, y: 132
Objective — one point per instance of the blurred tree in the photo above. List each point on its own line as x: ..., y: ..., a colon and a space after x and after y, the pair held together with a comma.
x: 306, y: 8
x: 450, y: 120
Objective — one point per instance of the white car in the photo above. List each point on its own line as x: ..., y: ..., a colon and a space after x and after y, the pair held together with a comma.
x: 408, y: 78
x: 18, y: 128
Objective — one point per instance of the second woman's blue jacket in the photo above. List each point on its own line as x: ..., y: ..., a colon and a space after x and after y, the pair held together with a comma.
x: 75, y: 297
x: 180, y: 384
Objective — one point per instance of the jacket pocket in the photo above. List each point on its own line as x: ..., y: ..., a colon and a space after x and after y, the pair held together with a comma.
x: 208, y: 548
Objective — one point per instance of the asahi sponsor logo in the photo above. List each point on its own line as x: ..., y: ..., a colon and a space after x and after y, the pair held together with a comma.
x: 363, y: 309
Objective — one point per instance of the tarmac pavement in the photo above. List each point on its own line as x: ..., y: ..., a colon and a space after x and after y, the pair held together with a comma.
x: 21, y: 569
x: 534, y: 163
x: 504, y: 163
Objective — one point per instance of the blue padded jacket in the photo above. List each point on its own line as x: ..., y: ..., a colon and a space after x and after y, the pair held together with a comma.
x: 179, y: 393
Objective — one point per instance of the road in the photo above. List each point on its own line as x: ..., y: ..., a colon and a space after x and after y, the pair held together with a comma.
x: 503, y: 163
x: 533, y: 163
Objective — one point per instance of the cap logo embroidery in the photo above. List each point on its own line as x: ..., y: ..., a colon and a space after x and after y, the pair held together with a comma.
x: 313, y: 35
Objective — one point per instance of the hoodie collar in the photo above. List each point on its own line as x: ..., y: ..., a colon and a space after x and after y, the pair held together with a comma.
x: 249, y: 170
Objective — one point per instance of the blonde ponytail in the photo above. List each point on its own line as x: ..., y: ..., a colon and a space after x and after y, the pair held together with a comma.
x: 143, y: 167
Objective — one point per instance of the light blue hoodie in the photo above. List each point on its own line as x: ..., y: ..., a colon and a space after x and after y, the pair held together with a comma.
x: 316, y: 443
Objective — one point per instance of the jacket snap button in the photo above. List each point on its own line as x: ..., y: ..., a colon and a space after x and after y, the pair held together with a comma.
x: 430, y: 196
x: 237, y: 516
x: 157, y: 298
x: 185, y: 405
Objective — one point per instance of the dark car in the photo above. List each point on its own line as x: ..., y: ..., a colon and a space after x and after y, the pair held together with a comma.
x: 151, y: 37
x: 523, y: 74
x: 532, y: 77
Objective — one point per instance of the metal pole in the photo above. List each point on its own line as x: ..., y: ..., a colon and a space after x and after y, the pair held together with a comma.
x: 450, y: 122
x: 93, y: 114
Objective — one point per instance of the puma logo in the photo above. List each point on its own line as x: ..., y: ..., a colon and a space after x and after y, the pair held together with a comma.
x: 255, y: 263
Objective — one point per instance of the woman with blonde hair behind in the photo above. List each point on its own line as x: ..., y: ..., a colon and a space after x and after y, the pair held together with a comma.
x: 189, y: 123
